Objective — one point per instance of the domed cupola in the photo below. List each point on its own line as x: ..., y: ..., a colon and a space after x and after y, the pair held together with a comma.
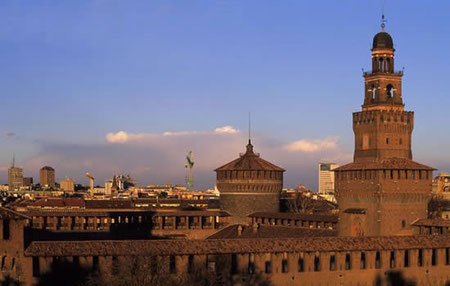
x: 383, y: 41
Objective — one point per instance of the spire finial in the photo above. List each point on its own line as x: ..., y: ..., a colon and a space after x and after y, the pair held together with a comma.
x: 383, y: 22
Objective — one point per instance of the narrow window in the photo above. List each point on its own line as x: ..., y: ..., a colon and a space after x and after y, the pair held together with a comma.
x: 6, y: 232
x: 392, y: 260
x: 348, y: 262
x: 392, y: 174
x: 406, y: 259
x: 301, y: 264
x: 251, y: 266
x: 434, y: 257
x: 268, y: 267
x: 95, y: 262
x: 316, y: 263
x: 378, y: 260
x: 190, y: 264
x: 400, y: 141
x: 363, y: 260
x: 36, y: 267
x: 284, y: 266
x: 172, y: 264
x: 387, y: 140
x: 332, y: 262
x: 115, y: 265
x: 403, y: 223
x: 420, y: 258
x: 234, y: 264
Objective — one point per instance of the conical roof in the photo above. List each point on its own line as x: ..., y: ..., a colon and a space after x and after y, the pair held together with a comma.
x: 249, y: 161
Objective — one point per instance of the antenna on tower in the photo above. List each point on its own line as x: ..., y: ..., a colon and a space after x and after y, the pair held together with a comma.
x: 13, y: 164
x: 249, y: 127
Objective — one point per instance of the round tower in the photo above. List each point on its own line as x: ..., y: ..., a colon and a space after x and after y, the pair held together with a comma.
x: 249, y: 184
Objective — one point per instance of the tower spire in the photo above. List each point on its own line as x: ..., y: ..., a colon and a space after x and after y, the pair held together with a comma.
x: 13, y: 164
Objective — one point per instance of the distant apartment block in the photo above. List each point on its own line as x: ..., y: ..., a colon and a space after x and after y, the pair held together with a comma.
x: 326, y: 178
x: 28, y: 181
x: 47, y: 177
x: 67, y: 185
x: 441, y: 185
x: 15, y: 178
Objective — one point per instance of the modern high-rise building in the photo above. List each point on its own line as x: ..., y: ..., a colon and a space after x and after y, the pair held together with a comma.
x: 326, y: 178
x: 47, y: 177
x: 383, y: 191
x: 67, y: 185
x: 15, y: 178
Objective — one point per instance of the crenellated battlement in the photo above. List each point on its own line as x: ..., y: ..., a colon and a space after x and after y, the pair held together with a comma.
x: 383, y: 116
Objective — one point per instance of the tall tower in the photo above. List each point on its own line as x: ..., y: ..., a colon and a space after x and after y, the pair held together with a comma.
x: 383, y: 191
x: 47, y: 177
x: 249, y: 184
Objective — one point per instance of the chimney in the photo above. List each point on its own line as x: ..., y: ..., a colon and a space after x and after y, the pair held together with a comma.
x: 239, y: 230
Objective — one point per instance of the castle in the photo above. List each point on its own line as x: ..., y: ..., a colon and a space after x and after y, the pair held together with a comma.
x: 382, y: 197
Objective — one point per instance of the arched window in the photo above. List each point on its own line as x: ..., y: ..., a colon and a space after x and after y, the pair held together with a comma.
x: 381, y: 65
x: 390, y: 91
x: 374, y: 92
x: 388, y: 65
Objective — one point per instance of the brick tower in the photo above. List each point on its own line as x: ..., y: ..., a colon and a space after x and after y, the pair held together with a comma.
x: 383, y: 191
x: 249, y: 184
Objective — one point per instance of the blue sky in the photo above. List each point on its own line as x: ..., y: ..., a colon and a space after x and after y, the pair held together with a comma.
x: 73, y: 71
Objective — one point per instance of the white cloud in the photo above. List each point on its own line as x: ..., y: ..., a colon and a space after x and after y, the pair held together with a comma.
x: 308, y: 146
x: 119, y: 137
x: 226, y: 130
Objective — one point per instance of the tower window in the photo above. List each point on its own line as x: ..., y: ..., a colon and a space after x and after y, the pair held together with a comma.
x: 387, y: 140
x: 301, y: 265
x: 433, y: 257
x: 406, y: 259
x: 348, y: 262
x: 378, y: 260
x: 400, y: 141
x: 316, y: 263
x: 363, y: 260
x: 332, y: 263
x: 390, y: 91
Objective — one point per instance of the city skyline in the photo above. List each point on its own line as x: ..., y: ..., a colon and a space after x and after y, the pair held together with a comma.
x: 127, y: 116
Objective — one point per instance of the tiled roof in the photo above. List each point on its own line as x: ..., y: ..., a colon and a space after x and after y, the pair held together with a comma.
x: 226, y: 246
x: 295, y: 216
x: 101, y: 204
x: 249, y: 161
x: 84, y: 212
x: 58, y: 202
x: 266, y: 231
x: 10, y: 214
x: 432, y: 222
x: 388, y: 163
